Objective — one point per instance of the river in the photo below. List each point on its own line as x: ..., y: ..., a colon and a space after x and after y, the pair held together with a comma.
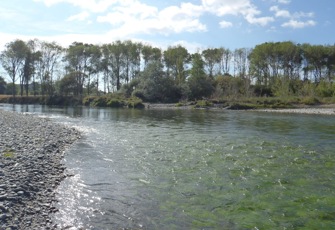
x: 195, y: 169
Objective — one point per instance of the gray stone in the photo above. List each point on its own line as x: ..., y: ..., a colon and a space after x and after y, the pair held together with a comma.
x: 29, y: 178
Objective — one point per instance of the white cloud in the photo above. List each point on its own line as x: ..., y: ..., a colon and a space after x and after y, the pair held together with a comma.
x: 236, y: 7
x: 280, y: 13
x: 303, y: 15
x: 225, y: 24
x: 298, y: 24
x: 79, y: 17
x: 141, y: 18
x: 284, y: 1
x: 295, y: 21
x: 90, y: 5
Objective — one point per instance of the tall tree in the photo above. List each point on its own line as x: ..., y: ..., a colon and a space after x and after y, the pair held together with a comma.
x: 151, y: 54
x: 212, y: 59
x: 117, y: 62
x: 50, y: 54
x: 225, y: 60
x: 175, y: 59
x: 199, y: 84
x: 77, y: 59
x: 2, y: 85
x: 12, y: 60
x: 241, y: 64
x: 105, y: 66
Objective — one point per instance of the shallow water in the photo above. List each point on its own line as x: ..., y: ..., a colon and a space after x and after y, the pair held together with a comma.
x: 185, y: 169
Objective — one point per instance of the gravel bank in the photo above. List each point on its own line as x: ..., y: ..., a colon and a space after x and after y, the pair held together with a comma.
x: 321, y: 111
x: 31, y: 150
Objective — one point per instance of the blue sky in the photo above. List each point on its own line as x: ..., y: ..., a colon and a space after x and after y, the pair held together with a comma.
x: 195, y: 24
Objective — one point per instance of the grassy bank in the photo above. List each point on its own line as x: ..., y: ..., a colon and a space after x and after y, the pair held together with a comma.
x: 117, y: 101
x: 59, y: 100
x: 260, y: 103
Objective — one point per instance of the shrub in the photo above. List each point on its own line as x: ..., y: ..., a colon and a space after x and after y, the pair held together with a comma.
x: 310, y: 101
x: 203, y: 103
x: 99, y: 102
x: 115, y: 103
x: 88, y: 100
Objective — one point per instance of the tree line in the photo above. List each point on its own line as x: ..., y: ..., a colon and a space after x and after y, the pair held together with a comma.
x: 135, y: 69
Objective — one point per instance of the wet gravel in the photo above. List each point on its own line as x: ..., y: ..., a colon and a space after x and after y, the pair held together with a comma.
x: 319, y: 111
x: 31, y: 151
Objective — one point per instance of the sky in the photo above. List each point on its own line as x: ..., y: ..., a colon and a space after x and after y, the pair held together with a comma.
x: 194, y: 24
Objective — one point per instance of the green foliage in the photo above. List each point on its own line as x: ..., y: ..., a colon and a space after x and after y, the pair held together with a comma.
x: 310, y: 101
x: 325, y: 89
x: 135, y: 103
x: 176, y: 58
x: 286, y: 87
x: 3, y: 85
x: 200, y: 86
x: 114, y: 103
x: 88, y: 100
x: 270, y: 69
x: 155, y: 86
x: 232, y: 86
x: 69, y: 85
x: 260, y: 91
x: 128, y: 89
x: 100, y: 101
x: 203, y: 104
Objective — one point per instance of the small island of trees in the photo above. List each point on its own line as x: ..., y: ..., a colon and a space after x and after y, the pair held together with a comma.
x: 272, y: 72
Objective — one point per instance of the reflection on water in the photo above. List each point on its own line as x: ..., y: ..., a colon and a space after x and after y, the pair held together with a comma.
x: 177, y: 169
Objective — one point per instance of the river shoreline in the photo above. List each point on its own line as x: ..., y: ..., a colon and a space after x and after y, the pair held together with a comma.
x: 328, y: 109
x: 31, y: 153
x: 310, y: 110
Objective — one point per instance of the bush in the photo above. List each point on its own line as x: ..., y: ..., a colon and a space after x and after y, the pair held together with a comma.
x: 99, y: 102
x: 135, y: 103
x: 88, y: 100
x: 260, y: 91
x: 325, y: 89
x: 310, y: 101
x: 115, y: 103
x: 203, y: 104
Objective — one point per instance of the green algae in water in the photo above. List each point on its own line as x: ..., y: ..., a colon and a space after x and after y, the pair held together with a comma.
x: 267, y: 187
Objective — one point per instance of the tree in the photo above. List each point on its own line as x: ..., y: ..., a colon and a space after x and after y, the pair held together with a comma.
x: 12, y: 59
x: 34, y: 57
x: 225, y: 60
x: 48, y: 59
x: 77, y: 61
x: 151, y: 54
x: 155, y: 86
x: 2, y: 85
x: 199, y: 84
x: 92, y: 65
x: 212, y: 59
x: 132, y: 59
x: 175, y: 59
x: 241, y: 64
x: 69, y: 84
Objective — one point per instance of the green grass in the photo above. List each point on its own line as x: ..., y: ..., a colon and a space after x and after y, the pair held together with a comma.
x: 8, y: 153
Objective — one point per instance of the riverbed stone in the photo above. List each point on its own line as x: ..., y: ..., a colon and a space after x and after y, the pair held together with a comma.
x: 31, y: 152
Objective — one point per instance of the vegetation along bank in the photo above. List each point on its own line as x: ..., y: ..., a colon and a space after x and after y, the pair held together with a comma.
x: 278, y: 71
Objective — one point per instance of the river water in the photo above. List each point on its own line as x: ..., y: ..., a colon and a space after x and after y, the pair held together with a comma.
x: 195, y: 169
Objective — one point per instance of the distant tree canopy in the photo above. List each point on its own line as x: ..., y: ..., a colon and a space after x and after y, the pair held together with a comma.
x: 133, y: 68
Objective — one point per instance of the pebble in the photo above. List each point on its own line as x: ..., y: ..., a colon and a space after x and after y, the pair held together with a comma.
x: 31, y: 152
